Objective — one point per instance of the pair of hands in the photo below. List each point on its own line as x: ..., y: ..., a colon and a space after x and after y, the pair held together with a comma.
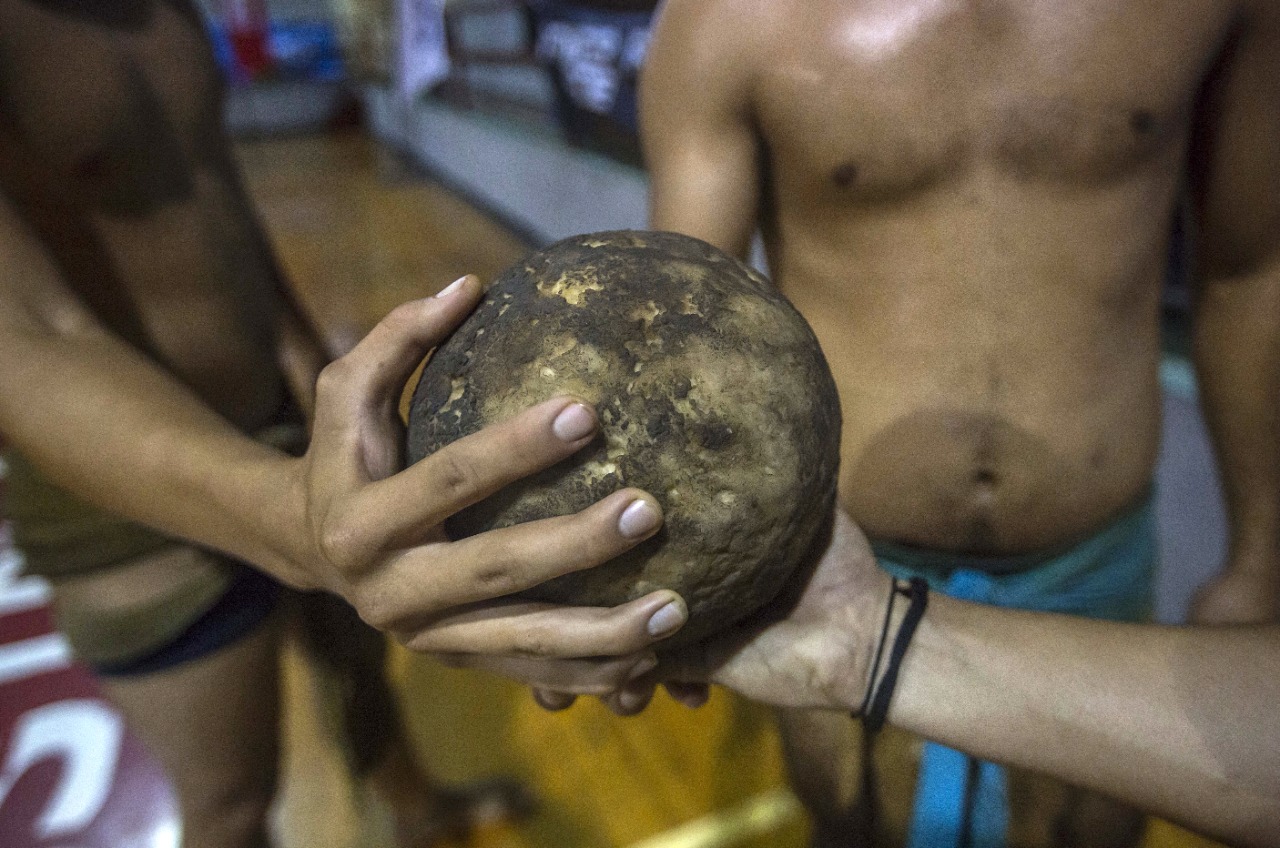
x: 364, y: 527
x: 372, y: 532
x: 810, y: 648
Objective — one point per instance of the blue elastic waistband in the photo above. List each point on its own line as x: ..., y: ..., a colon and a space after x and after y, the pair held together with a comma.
x: 1109, y: 575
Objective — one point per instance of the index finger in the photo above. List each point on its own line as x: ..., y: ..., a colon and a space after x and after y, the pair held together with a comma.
x: 399, y: 508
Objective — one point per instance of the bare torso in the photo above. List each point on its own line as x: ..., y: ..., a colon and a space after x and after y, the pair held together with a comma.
x: 971, y: 202
x: 110, y: 147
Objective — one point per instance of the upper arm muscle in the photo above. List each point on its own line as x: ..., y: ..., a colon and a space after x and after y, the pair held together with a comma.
x: 1236, y: 157
x: 696, y: 128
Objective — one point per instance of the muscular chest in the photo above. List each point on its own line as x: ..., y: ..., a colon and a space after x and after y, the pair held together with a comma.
x: 885, y: 98
x: 111, y: 103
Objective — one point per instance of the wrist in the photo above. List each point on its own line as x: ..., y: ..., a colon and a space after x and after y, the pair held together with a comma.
x: 270, y: 516
x: 930, y: 695
x: 290, y: 548
x: 866, y: 623
x: 896, y: 636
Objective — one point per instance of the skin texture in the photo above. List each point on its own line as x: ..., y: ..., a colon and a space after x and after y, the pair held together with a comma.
x: 713, y: 395
x: 971, y: 203
x: 1174, y: 720
x: 144, y: 319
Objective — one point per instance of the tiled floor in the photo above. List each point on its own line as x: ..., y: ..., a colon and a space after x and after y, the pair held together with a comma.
x: 360, y: 233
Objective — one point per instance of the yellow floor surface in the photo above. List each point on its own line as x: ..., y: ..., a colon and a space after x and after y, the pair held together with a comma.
x: 358, y: 233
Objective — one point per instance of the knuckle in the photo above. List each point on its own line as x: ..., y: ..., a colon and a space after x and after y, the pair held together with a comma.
x: 335, y: 377
x: 339, y: 544
x: 496, y: 576
x: 375, y: 613
x: 535, y: 642
x: 613, y: 631
x: 453, y: 473
x: 404, y: 317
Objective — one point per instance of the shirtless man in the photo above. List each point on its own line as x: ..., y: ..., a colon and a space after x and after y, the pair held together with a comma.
x: 972, y: 203
x: 146, y: 331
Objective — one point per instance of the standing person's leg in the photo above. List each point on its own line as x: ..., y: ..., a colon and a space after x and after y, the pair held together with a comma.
x: 214, y: 725
x: 375, y: 741
x: 823, y: 753
x: 206, y: 701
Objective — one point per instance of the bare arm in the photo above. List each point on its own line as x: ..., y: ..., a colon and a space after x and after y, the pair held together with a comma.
x: 1178, y: 721
x: 102, y: 420
x: 695, y: 125
x: 1236, y: 183
x: 97, y: 416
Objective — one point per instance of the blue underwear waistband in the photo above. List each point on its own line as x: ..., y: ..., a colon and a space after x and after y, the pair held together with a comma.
x: 248, y: 601
x: 1109, y: 575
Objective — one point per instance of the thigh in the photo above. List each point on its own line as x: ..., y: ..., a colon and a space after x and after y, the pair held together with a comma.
x: 213, y: 723
x: 129, y: 609
x: 351, y: 658
x: 211, y: 718
x: 1047, y: 813
x: 823, y: 755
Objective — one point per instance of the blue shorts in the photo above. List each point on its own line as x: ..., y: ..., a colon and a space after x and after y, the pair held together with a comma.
x: 1108, y: 576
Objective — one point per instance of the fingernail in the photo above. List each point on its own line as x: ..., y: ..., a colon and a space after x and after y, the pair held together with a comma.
x: 638, y: 519
x: 574, y: 422
x: 452, y: 287
x: 632, y: 700
x: 667, y: 620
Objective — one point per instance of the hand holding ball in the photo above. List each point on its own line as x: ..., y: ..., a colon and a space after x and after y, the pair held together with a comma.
x: 712, y: 395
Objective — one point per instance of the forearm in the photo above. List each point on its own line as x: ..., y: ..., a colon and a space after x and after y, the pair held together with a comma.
x: 1181, y: 722
x: 103, y: 421
x: 1237, y: 355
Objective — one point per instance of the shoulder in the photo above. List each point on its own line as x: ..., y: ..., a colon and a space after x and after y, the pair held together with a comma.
x: 727, y: 17
x: 716, y: 44
x: 738, y: 31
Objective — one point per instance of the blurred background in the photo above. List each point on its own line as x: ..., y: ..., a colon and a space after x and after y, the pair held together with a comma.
x: 392, y: 147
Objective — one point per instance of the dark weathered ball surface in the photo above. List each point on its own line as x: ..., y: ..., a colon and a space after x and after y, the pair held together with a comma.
x: 712, y: 393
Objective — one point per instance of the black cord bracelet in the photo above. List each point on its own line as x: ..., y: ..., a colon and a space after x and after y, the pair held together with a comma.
x: 873, y: 717
x: 875, y: 664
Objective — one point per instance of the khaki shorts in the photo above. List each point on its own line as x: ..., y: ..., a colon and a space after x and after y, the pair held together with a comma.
x: 64, y: 539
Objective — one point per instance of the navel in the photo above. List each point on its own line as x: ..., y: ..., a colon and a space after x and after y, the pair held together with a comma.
x: 844, y: 175
x: 985, y: 477
x: 1142, y: 121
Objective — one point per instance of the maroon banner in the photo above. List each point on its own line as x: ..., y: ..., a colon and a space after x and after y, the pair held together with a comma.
x: 71, y: 775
